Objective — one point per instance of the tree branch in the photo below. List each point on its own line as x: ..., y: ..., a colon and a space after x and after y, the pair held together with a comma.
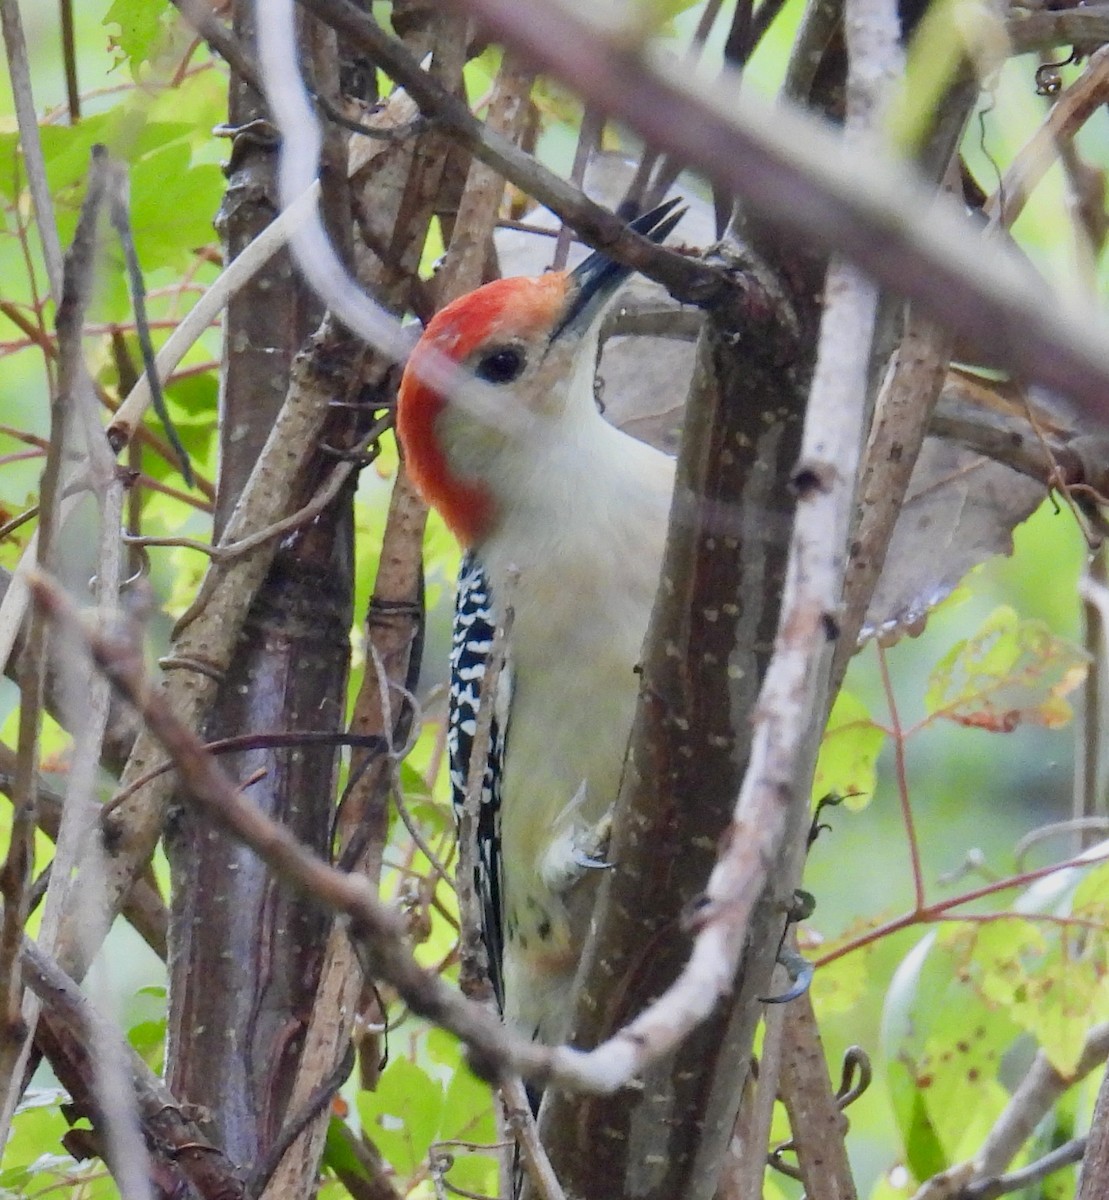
x: 70, y: 1030
x: 795, y: 172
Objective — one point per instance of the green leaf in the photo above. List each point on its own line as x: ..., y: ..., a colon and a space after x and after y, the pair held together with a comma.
x: 468, y: 1108
x: 164, y: 183
x: 148, y: 1039
x: 1090, y: 898
x: 468, y: 1117
x: 943, y: 1042
x: 1051, y: 980
x: 1009, y: 673
x: 11, y: 167
x: 841, y: 985
x: 402, y: 1115
x: 849, y: 753
x: 922, y: 1146
x: 32, y: 1150
x: 140, y: 25
x: 338, y: 1154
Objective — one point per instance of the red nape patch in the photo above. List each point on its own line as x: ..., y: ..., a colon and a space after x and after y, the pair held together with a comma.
x: 499, y: 311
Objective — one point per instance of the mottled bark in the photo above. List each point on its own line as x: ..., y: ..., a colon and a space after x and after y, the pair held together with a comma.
x: 245, y: 952
x: 711, y: 636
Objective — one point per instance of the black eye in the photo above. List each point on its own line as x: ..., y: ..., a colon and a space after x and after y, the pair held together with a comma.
x: 502, y: 365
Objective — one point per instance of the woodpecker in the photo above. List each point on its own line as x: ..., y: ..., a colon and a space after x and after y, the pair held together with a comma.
x: 562, y: 517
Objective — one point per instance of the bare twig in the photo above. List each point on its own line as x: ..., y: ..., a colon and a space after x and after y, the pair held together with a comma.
x: 816, y: 1120
x: 1036, y: 28
x: 463, y: 268
x: 15, y: 875
x: 961, y: 1182
x: 543, y: 1179
x: 1040, y: 447
x: 744, y: 1166
x: 223, y: 553
x: 394, y: 629
x: 200, y: 16
x: 30, y: 142
x: 120, y: 216
x: 901, y: 418
x: 834, y: 429
x: 589, y: 138
x: 208, y: 640
x: 71, y: 1030
x: 1016, y: 1181
x: 379, y: 931
x: 685, y: 278
x: 1034, y: 1096
x: 1072, y: 110
x: 316, y: 1104
x: 76, y: 894
x: 234, y: 276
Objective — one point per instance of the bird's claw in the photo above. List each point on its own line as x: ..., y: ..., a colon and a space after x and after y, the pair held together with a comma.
x: 588, y: 863
x: 580, y: 848
x: 800, y: 972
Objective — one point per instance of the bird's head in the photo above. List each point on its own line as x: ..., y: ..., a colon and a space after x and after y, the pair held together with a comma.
x: 532, y: 340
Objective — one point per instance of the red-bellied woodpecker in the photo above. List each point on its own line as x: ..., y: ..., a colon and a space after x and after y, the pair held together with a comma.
x: 573, y: 511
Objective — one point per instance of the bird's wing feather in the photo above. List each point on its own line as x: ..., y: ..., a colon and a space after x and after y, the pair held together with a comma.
x: 471, y: 652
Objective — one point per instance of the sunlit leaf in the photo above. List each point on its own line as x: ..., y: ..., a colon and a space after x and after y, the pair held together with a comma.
x: 468, y: 1117
x: 943, y: 1042
x: 164, y: 182
x: 1009, y: 673
x: 140, y: 24
x: 840, y: 985
x: 402, y: 1115
x: 849, y: 753
x: 1050, y: 978
x: 1090, y: 899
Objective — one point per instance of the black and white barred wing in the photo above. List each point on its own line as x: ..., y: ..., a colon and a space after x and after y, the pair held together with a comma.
x: 471, y: 652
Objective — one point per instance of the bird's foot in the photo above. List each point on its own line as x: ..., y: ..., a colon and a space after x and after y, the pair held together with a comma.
x: 576, y: 848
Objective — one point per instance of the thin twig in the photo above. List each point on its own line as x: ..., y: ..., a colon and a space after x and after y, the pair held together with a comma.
x: 1041, y: 1086
x: 378, y: 930
x: 72, y: 1028
x: 1070, y: 112
x: 209, y: 639
x: 292, y: 1129
x: 1089, y: 804
x: 1016, y: 1181
x: 69, y: 55
x: 685, y: 278
x: 526, y: 1135
x: 15, y: 875
x: 200, y: 16
x: 120, y: 217
x: 589, y: 138
x: 905, y: 402
x: 234, y: 276
x: 326, y: 492
x: 30, y: 143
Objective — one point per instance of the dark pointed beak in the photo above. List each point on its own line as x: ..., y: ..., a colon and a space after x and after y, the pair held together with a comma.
x: 596, y: 278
